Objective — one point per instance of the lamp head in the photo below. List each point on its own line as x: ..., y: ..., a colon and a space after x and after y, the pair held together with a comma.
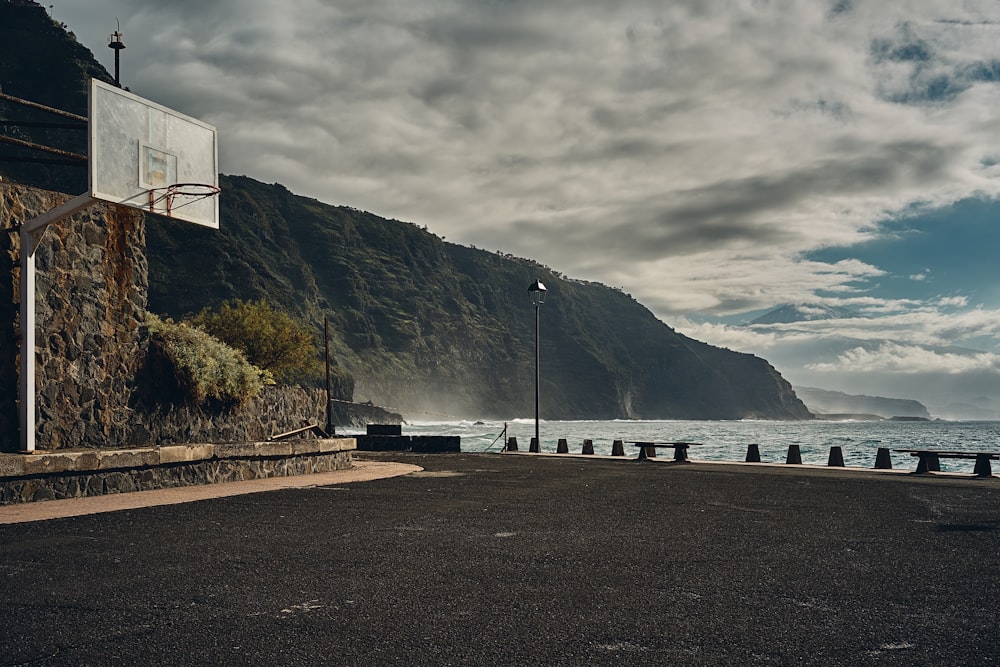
x: 537, y: 291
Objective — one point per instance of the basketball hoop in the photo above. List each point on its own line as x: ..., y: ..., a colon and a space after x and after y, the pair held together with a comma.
x: 166, y: 200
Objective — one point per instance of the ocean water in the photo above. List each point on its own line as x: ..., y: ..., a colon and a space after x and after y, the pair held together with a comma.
x: 728, y: 440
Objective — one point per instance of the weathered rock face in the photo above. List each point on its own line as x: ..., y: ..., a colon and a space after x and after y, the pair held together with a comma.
x: 90, y: 301
x: 435, y: 327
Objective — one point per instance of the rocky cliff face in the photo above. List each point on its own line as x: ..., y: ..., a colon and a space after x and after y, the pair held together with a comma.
x: 41, y: 62
x: 431, y: 327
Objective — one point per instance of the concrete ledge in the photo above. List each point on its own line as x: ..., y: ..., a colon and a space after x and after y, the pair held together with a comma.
x: 245, y: 449
x: 324, y: 446
x: 127, y: 458
x: 48, y: 462
x: 185, y: 453
x: 70, y: 474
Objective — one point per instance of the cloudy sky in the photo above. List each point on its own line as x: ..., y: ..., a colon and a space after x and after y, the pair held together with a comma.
x: 714, y: 158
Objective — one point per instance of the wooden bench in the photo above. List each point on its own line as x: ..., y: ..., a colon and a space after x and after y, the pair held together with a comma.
x: 680, y: 449
x: 929, y: 460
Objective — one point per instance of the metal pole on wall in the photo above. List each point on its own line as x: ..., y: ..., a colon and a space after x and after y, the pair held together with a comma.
x: 329, y: 399
x: 26, y: 404
x: 537, y: 291
x: 30, y: 234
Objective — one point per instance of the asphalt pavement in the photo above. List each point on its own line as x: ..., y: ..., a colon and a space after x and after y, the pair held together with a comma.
x: 492, y: 559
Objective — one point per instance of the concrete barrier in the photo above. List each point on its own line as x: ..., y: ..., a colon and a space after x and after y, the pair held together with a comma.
x: 617, y: 448
x: 384, y: 429
x: 794, y: 455
x: 435, y: 444
x: 753, y: 453
x: 882, y: 459
x: 533, y: 447
x: 511, y: 444
x: 383, y: 443
x: 836, y: 457
x: 409, y: 443
x: 562, y: 447
x: 588, y: 447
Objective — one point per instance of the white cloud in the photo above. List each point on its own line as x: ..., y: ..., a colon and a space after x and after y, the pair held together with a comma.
x: 907, y: 360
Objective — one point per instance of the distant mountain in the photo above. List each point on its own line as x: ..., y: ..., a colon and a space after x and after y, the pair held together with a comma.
x: 822, y: 401
x: 790, y: 313
x: 423, y: 325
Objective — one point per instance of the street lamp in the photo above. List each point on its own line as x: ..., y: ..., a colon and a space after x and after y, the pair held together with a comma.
x: 537, y: 291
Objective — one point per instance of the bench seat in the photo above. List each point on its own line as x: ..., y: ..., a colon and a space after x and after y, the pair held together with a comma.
x: 680, y: 449
x: 928, y: 460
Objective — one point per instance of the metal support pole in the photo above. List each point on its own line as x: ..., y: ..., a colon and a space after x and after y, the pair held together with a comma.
x: 26, y: 402
x: 31, y: 233
x: 537, y: 439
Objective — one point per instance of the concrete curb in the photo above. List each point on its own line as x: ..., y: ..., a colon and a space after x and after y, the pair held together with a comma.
x: 362, y: 471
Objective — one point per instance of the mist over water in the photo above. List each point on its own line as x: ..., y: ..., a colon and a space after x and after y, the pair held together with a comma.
x: 728, y: 440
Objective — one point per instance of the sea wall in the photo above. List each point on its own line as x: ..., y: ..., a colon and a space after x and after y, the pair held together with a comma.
x: 60, y: 475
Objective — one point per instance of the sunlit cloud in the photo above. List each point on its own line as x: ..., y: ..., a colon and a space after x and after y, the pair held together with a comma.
x: 908, y: 360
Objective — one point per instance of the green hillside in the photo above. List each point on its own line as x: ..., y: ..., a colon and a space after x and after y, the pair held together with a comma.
x: 428, y: 325
x: 422, y: 324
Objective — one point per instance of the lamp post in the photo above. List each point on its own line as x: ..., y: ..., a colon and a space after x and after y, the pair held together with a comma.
x: 537, y: 291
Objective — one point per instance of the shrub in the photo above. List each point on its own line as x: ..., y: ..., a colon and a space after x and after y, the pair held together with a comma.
x: 200, y: 366
x: 270, y: 339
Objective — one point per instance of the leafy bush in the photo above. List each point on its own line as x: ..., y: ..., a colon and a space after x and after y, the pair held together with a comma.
x: 270, y: 339
x: 199, y: 366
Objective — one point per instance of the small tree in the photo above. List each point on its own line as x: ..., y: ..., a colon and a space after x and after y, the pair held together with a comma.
x: 270, y: 338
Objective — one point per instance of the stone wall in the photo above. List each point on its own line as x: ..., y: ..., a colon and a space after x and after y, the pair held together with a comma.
x: 91, y: 287
x: 90, y: 306
x: 59, y: 475
x: 276, y: 410
x: 90, y: 300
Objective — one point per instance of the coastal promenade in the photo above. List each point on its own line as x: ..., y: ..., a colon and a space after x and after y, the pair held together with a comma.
x: 504, y: 559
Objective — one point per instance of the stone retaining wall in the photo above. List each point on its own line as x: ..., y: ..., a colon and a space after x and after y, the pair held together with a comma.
x: 90, y: 303
x: 27, y: 477
x: 276, y: 410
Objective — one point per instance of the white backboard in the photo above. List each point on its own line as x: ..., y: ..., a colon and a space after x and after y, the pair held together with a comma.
x: 138, y: 148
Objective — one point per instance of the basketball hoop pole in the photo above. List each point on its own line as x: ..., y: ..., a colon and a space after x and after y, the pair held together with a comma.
x: 31, y: 233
